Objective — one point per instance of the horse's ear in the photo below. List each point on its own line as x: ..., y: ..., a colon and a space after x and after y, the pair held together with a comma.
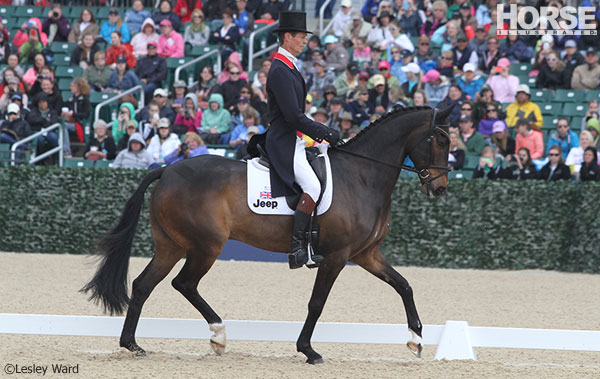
x: 443, y: 114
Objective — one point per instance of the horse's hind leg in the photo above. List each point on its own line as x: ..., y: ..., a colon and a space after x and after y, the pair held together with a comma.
x: 374, y: 262
x: 197, y: 264
x: 167, y: 253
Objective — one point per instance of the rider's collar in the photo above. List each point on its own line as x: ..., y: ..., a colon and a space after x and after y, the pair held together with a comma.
x: 288, y: 55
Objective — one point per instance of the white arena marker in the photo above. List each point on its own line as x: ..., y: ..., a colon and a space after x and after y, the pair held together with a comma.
x: 455, y: 342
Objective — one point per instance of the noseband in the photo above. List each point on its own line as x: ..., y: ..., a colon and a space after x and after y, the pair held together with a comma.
x: 422, y: 171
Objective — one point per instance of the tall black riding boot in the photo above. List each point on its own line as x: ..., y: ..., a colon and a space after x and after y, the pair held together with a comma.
x: 298, y: 255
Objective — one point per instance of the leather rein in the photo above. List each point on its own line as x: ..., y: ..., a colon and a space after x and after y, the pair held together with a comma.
x: 422, y: 171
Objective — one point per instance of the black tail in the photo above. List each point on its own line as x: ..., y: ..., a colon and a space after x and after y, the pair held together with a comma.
x: 109, y: 284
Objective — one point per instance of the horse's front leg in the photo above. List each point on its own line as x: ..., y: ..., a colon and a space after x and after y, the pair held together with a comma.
x: 373, y: 261
x: 329, y: 270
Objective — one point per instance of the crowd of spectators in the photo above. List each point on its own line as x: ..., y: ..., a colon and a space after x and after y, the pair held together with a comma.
x: 383, y: 55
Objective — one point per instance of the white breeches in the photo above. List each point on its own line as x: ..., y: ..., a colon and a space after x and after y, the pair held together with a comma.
x: 303, y: 173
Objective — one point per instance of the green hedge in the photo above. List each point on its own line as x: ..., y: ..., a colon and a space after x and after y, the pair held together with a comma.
x: 478, y: 224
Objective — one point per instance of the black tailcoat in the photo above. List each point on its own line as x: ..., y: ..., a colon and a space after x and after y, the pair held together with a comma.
x: 287, y: 93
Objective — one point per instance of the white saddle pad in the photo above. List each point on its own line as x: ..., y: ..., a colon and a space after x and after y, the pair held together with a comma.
x: 259, y: 190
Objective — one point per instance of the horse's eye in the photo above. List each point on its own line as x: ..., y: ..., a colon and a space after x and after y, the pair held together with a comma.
x: 442, y: 141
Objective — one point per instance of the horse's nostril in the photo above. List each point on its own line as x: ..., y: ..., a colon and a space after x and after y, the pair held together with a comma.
x: 441, y: 190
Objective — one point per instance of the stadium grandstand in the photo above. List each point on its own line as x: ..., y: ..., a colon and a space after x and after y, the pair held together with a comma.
x: 141, y: 84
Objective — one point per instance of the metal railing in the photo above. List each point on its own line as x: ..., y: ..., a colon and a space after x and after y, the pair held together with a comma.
x: 116, y: 98
x: 251, y: 53
x: 216, y: 52
x: 321, y: 13
x: 58, y: 149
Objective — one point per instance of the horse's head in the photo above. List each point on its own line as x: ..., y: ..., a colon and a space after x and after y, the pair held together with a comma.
x: 429, y: 152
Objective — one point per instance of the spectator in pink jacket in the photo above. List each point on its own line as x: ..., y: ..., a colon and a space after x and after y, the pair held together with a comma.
x: 530, y: 137
x: 189, y: 115
x: 170, y: 43
x: 23, y: 34
x: 503, y: 84
x: 141, y: 40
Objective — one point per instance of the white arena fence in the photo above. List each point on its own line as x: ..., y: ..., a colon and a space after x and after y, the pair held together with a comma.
x: 454, y: 340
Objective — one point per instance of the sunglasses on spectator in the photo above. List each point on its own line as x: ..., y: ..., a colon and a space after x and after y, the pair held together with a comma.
x: 383, y: 69
x: 364, y: 93
x: 553, y: 155
x: 395, y: 52
x: 234, y: 72
x: 491, y: 110
x: 393, y: 29
x: 562, y: 126
x: 492, y: 42
x: 466, y: 109
x: 244, y: 91
x: 447, y: 58
x: 424, y: 43
x: 122, y: 112
x: 551, y: 59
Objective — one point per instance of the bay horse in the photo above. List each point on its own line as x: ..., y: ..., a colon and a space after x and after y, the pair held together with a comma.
x: 200, y: 203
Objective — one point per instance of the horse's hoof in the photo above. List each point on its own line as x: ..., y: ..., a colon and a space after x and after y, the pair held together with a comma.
x: 135, y: 348
x: 415, y: 348
x: 315, y: 361
x: 217, y: 348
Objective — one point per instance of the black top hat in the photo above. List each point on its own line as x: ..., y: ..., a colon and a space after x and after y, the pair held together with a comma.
x: 292, y: 22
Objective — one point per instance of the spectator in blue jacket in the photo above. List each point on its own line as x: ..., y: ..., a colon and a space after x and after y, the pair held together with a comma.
x: 370, y: 9
x: 165, y: 12
x: 516, y: 50
x: 192, y: 146
x: 134, y: 18
x: 563, y: 137
x: 122, y: 78
x: 470, y: 82
x: 360, y: 108
x: 115, y: 23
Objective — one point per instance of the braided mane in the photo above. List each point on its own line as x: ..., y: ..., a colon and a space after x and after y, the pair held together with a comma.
x: 394, y: 112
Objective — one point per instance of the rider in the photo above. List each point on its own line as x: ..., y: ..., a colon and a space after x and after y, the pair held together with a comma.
x: 287, y: 91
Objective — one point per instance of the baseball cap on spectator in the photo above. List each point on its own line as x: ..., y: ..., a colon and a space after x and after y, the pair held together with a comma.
x: 356, y: 15
x: 130, y: 124
x: 352, y: 68
x: 160, y: 92
x: 121, y: 59
x: 591, y: 50
x: 406, y: 53
x: 113, y: 11
x: 498, y: 127
x: 243, y: 99
x: 378, y: 80
x: 316, y: 52
x: 179, y: 84
x: 16, y: 96
x: 31, y: 24
x: 383, y: 64
x: 461, y: 37
x: 253, y: 130
x: 480, y: 29
x: 363, y: 75
x: 330, y: 38
x: 547, y: 38
x: 411, y: 67
x: 321, y: 110
x: 165, y: 22
x: 163, y: 123
x: 570, y: 43
x: 12, y: 108
x: 469, y: 67
x: 346, y: 116
x: 346, y: 3
x: 465, y: 6
x: 524, y: 88
x: 321, y: 62
x: 151, y: 45
x: 430, y: 76
x: 337, y: 100
x: 465, y: 118
x: 330, y: 90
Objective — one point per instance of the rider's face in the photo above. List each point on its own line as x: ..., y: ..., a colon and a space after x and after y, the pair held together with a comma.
x: 296, y: 43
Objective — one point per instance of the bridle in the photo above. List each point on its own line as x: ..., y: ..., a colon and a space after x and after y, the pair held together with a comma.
x: 423, y: 171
